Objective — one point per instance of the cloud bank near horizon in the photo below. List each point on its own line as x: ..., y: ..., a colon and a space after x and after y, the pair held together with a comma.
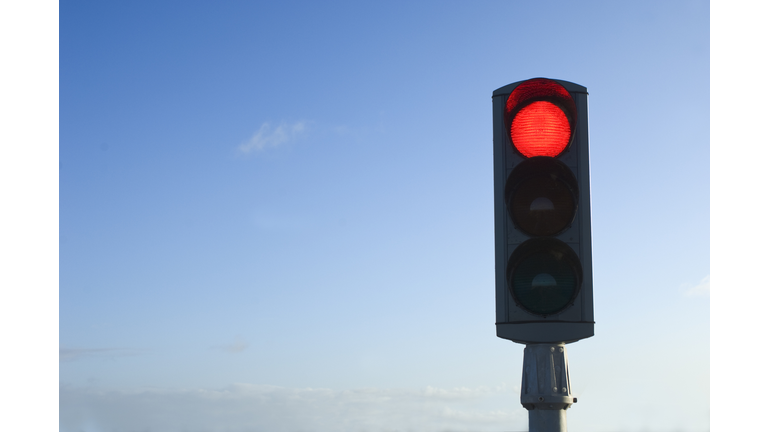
x: 246, y: 407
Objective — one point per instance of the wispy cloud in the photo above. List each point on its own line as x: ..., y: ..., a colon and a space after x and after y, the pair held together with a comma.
x: 70, y: 354
x: 700, y: 289
x: 245, y: 407
x: 268, y: 137
x: 234, y: 347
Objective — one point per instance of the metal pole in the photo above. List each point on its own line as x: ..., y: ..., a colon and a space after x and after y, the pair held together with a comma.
x: 546, y: 388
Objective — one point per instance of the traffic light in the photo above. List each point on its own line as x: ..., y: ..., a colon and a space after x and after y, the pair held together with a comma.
x: 542, y: 212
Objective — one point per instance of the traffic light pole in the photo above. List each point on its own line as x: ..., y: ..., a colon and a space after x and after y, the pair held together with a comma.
x: 546, y: 387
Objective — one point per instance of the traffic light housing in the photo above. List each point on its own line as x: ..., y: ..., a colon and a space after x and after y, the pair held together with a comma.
x: 542, y: 212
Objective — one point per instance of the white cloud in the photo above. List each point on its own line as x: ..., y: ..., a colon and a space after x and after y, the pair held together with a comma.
x: 267, y: 137
x: 700, y: 289
x: 245, y: 407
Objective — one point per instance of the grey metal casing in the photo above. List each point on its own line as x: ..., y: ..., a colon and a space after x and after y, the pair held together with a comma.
x: 512, y: 321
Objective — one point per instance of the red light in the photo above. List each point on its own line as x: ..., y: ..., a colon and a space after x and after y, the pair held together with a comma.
x: 539, y: 117
x: 540, y: 129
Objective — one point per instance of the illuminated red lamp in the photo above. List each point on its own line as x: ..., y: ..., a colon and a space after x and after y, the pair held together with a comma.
x: 540, y: 116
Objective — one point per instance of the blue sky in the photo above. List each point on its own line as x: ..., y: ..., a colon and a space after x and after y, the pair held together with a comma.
x: 264, y: 203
